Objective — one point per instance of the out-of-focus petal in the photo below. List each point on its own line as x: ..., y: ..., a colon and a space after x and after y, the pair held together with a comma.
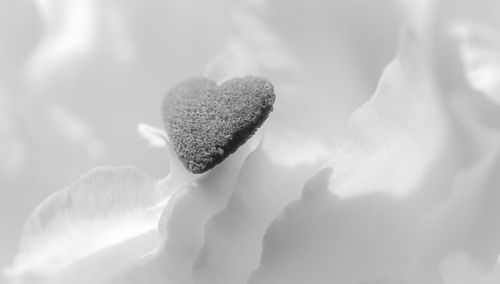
x: 233, y: 237
x: 91, y: 230
x: 184, y: 219
x: 355, y: 223
x: 155, y: 137
x: 399, y: 131
x: 479, y: 49
x: 419, y: 15
x: 458, y: 268
x: 492, y: 278
x: 464, y: 16
x: 466, y: 221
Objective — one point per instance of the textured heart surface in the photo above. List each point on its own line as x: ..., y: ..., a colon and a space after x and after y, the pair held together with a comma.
x: 206, y: 122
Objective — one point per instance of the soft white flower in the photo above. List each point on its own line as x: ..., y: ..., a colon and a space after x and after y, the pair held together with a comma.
x: 337, y: 187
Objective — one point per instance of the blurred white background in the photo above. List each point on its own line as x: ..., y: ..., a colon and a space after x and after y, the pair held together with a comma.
x: 77, y: 76
x: 75, y: 79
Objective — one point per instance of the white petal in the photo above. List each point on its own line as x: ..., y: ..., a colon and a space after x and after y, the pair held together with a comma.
x: 464, y: 229
x: 353, y: 224
x: 155, y: 137
x: 183, y: 221
x: 491, y: 278
x: 233, y: 237
x: 399, y: 131
x: 91, y: 230
x: 480, y: 53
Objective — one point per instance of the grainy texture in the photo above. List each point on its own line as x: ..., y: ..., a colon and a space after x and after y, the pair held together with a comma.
x: 206, y: 122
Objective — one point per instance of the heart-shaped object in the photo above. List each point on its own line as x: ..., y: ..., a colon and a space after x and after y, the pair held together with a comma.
x: 206, y: 122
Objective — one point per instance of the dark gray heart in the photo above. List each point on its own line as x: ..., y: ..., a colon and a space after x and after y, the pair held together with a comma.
x: 206, y: 123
